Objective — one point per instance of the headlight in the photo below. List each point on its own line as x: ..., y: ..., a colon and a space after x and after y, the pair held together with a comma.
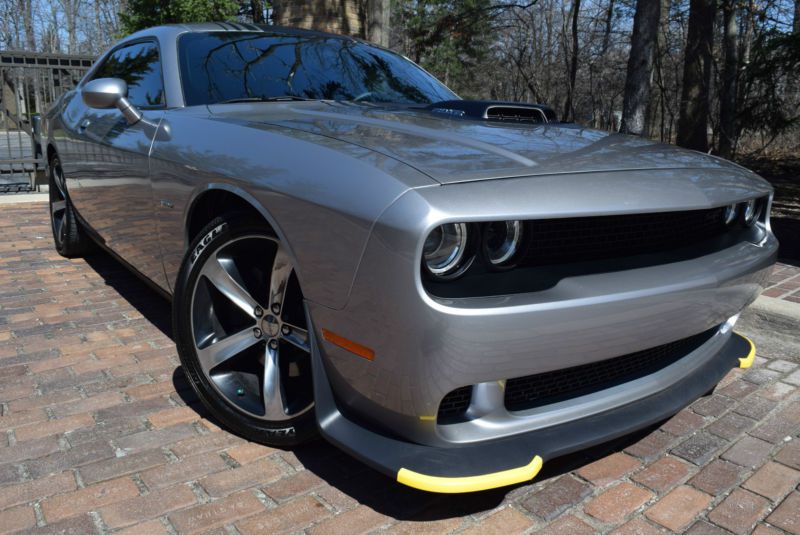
x: 502, y: 241
x: 751, y: 211
x: 730, y: 214
x: 445, y: 251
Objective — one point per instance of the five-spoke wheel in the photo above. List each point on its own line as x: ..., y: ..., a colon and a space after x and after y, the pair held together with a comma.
x: 246, y: 343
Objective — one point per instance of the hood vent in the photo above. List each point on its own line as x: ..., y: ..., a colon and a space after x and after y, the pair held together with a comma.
x: 495, y: 111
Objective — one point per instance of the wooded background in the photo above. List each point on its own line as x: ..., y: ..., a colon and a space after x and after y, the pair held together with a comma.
x: 713, y: 75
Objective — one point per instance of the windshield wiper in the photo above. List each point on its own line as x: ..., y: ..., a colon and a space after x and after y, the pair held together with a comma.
x: 281, y: 98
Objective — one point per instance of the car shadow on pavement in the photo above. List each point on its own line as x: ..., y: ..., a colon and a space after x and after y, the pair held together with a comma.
x: 151, y: 304
x: 355, y: 480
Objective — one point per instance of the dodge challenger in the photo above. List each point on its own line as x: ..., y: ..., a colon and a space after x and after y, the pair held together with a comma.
x: 452, y: 291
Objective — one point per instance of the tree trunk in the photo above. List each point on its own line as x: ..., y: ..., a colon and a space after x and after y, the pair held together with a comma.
x: 257, y: 6
x: 693, y: 120
x: 796, y: 25
x: 569, y: 105
x: 640, y: 67
x: 727, y: 104
x: 609, y: 21
x: 27, y: 22
x: 378, y: 20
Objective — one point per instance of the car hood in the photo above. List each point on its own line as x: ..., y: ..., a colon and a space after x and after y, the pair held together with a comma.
x: 451, y: 150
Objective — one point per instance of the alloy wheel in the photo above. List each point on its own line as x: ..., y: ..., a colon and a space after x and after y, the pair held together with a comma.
x: 250, y: 330
x: 58, y: 205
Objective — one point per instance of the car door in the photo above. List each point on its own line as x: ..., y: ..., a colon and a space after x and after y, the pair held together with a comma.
x: 113, y: 193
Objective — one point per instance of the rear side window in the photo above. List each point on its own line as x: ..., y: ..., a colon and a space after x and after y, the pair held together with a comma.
x: 140, y: 66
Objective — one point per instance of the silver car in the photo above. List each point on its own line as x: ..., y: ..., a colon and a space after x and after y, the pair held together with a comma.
x: 452, y: 291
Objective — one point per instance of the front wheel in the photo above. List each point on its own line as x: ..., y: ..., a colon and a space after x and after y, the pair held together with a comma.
x: 242, y: 332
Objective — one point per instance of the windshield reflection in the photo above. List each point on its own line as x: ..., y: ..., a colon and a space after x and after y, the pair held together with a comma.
x: 223, y: 66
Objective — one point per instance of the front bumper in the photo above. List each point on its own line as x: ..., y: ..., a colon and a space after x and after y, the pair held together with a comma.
x: 518, y: 458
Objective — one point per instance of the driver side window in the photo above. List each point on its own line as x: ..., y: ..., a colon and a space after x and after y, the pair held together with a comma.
x: 139, y: 65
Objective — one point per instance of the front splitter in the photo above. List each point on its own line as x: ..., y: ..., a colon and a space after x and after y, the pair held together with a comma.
x: 518, y: 458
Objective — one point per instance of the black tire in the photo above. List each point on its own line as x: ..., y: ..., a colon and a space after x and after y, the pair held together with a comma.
x: 232, y: 382
x: 70, y: 239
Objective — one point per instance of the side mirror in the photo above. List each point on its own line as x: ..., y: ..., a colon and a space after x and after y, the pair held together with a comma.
x: 105, y: 93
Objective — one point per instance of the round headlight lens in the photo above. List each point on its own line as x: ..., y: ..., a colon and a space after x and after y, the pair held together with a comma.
x: 444, y: 248
x: 750, y: 212
x: 730, y: 214
x: 502, y: 241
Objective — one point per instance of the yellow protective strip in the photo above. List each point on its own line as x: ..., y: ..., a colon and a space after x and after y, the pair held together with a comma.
x: 747, y: 361
x: 452, y: 485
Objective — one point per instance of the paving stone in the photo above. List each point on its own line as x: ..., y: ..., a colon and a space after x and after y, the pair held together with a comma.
x: 217, y: 513
x: 146, y: 440
x: 699, y: 448
x: 663, y: 474
x: 556, y: 497
x: 739, y: 511
x: 685, y: 422
x: 88, y: 499
x: 359, y: 520
x: 773, y: 481
x: 701, y: 527
x: 64, y: 460
x: 141, y: 508
x: 762, y: 529
x: 295, y: 515
x: 738, y: 389
x: 652, y: 446
x: 730, y: 426
x: 567, y: 525
x: 717, y: 477
x: 790, y: 454
x: 785, y: 422
x: 77, y: 525
x: 616, y: 503
x: 761, y: 376
x: 609, y: 469
x: 748, y: 451
x: 637, y: 526
x: 713, y: 405
x: 787, y: 514
x: 17, y: 519
x: 111, y: 468
x: 187, y: 469
x: 755, y: 407
x: 679, y: 508
x: 261, y: 472
x: 36, y: 489
x: 295, y: 485
x: 776, y: 391
x: 249, y: 452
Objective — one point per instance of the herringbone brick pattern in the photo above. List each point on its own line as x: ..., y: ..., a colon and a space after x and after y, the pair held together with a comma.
x: 99, y: 433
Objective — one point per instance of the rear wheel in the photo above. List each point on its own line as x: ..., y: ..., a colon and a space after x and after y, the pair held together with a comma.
x: 242, y: 332
x: 69, y: 238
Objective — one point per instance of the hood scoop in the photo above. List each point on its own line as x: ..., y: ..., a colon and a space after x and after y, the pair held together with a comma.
x: 492, y: 110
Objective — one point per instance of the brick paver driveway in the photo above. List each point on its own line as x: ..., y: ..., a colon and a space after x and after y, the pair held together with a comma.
x: 100, y: 433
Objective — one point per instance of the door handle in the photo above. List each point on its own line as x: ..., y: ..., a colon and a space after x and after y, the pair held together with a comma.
x: 84, y: 125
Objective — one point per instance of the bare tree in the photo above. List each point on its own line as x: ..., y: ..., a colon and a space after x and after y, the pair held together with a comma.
x: 796, y: 25
x: 569, y: 104
x: 693, y: 121
x: 27, y: 22
x: 640, y: 67
x: 728, y: 91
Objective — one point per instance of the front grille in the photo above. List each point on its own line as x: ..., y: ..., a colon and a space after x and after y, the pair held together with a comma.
x: 545, y: 388
x: 455, y: 404
x: 580, y: 239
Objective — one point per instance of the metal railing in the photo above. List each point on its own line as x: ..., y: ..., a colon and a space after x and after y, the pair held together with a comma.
x: 29, y: 84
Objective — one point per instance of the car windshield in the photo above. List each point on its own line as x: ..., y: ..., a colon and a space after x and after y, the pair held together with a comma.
x: 228, y: 66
